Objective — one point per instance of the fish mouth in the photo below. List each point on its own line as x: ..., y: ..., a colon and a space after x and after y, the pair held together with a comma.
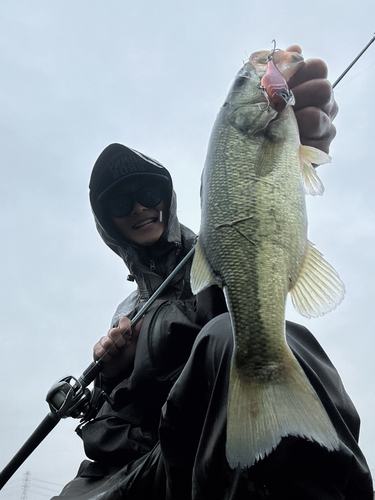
x: 145, y: 222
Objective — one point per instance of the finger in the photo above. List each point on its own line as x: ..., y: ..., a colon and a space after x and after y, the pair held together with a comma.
x: 334, y: 109
x: 315, y: 128
x: 294, y: 48
x: 310, y: 70
x: 114, y: 342
x: 103, y: 348
x: 313, y: 123
x: 314, y: 93
x: 119, y: 337
x: 124, y: 324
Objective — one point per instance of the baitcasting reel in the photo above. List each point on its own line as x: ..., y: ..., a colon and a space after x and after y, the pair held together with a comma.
x: 68, y: 398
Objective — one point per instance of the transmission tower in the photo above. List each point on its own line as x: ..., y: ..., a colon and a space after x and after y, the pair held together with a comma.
x: 25, y: 485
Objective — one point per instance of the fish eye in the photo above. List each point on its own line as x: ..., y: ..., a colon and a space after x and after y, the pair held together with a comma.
x: 240, y: 81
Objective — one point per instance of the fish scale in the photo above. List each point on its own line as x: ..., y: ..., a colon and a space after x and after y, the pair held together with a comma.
x: 253, y: 243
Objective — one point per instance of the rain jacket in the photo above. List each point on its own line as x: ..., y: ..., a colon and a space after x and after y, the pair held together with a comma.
x: 163, y: 434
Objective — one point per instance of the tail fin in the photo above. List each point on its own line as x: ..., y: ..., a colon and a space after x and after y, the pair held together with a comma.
x: 260, y: 414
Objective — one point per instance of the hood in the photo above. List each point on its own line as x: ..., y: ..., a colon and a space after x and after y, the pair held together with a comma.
x: 148, y: 266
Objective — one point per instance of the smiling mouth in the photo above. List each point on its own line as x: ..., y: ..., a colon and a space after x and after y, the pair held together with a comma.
x: 145, y: 222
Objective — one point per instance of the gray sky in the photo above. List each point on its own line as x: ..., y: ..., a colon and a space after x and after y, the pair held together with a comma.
x: 77, y: 76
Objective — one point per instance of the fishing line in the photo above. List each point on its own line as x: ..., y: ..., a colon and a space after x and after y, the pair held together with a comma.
x: 357, y: 75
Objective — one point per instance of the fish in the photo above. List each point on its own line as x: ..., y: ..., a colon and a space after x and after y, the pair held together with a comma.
x: 253, y: 243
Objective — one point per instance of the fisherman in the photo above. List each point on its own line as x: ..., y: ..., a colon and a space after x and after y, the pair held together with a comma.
x: 161, y: 431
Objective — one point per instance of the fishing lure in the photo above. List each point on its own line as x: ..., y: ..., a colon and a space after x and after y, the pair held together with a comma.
x: 274, y: 86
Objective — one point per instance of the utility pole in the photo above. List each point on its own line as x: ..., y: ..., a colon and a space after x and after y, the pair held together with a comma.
x: 25, y: 485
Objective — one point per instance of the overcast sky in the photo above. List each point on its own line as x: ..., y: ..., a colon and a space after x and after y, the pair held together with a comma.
x: 78, y: 75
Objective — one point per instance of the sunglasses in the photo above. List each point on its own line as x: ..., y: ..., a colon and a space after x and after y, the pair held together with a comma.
x: 148, y: 196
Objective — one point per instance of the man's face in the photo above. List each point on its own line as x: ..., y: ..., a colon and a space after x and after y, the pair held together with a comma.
x: 143, y: 225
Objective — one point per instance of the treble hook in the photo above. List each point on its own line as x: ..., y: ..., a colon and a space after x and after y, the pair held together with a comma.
x: 272, y: 51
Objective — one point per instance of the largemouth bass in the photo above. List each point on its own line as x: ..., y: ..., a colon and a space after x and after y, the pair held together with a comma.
x: 253, y: 243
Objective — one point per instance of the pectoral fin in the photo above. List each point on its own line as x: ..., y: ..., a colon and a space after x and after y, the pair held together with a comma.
x: 308, y: 157
x: 318, y: 289
x: 201, y: 273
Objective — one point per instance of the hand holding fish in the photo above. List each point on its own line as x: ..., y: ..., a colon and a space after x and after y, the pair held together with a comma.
x: 315, y: 106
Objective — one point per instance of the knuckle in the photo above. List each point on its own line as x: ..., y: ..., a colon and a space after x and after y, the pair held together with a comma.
x: 313, y: 122
x: 317, y: 67
x: 325, y: 92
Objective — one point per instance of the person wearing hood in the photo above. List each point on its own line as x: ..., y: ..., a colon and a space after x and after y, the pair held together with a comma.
x: 159, y: 426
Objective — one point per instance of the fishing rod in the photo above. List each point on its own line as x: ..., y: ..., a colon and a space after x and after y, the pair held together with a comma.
x: 70, y: 397
x: 353, y: 62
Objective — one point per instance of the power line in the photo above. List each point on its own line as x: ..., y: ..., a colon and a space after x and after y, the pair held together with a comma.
x: 46, y: 482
